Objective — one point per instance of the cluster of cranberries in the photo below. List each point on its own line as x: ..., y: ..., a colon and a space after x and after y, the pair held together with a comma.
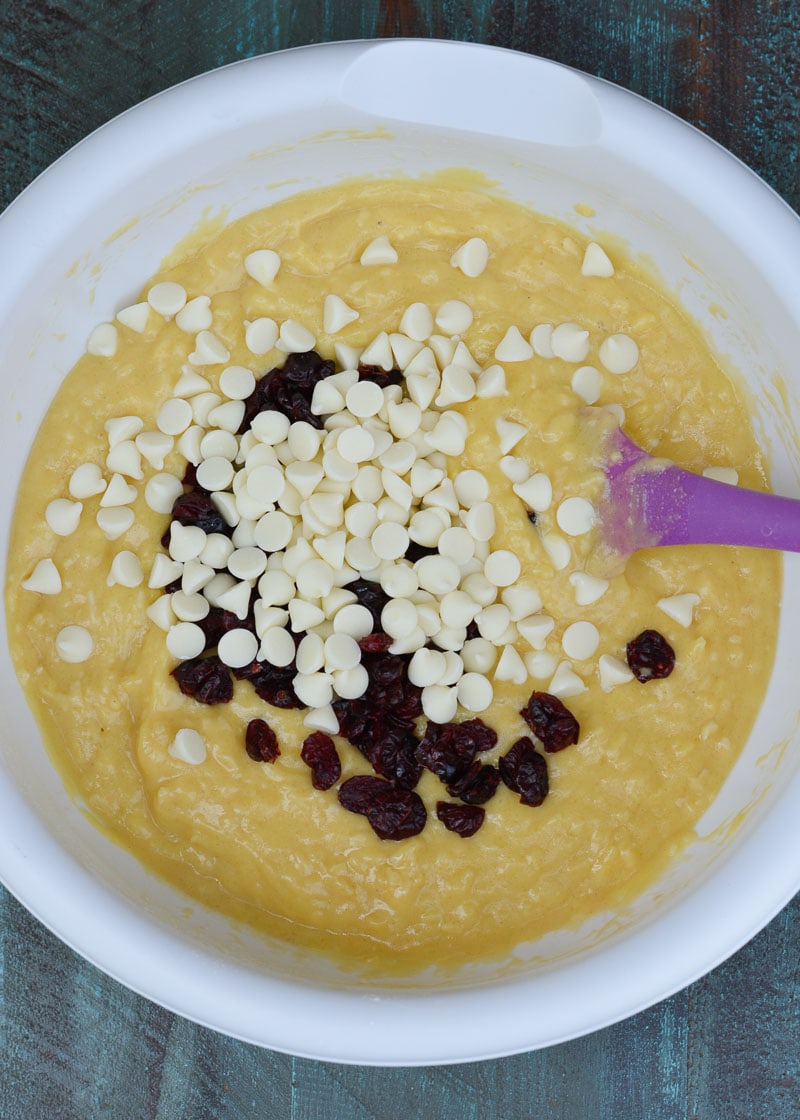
x: 381, y: 724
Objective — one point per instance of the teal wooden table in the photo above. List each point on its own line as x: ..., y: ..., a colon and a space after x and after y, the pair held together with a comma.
x: 74, y: 1045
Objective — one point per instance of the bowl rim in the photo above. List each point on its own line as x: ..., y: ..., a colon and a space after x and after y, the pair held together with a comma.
x: 389, y: 1016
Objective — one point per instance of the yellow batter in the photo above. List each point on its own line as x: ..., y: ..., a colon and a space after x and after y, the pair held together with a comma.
x: 257, y: 841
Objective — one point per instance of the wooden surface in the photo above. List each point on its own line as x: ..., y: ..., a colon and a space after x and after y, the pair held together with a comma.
x: 73, y: 1043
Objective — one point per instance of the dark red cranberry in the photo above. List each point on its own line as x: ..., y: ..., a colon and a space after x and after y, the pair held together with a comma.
x: 289, y: 389
x: 393, y: 752
x: 416, y: 551
x: 375, y: 643
x: 216, y: 623
x: 273, y: 684
x: 372, y: 596
x: 196, y: 508
x: 464, y: 820
x: 531, y: 516
x: 477, y: 786
x: 650, y: 656
x: 524, y: 771
x: 319, y: 753
x: 380, y: 376
x: 396, y: 814
x: 358, y: 793
x: 261, y: 742
x: 205, y: 679
x: 550, y: 721
x: 449, y: 749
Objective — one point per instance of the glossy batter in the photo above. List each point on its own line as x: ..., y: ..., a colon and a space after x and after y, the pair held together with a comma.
x: 257, y: 841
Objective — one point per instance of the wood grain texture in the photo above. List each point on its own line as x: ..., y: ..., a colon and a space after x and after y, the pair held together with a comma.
x: 73, y: 1043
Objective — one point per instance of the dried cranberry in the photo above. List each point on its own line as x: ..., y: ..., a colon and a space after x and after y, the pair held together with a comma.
x: 477, y: 786
x: 465, y: 820
x: 550, y: 721
x: 375, y: 643
x: 380, y: 376
x: 216, y: 623
x: 289, y: 389
x: 319, y: 753
x: 273, y: 684
x: 196, y: 508
x: 393, y: 753
x: 357, y: 794
x: 449, y: 749
x: 205, y: 679
x: 650, y: 656
x: 372, y: 596
x: 524, y: 770
x: 416, y: 552
x: 261, y: 742
x: 531, y: 516
x: 396, y: 814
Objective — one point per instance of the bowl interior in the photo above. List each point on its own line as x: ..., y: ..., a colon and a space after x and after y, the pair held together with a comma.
x: 80, y: 243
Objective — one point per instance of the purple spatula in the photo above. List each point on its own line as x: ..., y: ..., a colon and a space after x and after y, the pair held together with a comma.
x: 651, y: 502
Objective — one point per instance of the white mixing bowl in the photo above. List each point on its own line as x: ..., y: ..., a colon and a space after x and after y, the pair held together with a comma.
x: 81, y: 241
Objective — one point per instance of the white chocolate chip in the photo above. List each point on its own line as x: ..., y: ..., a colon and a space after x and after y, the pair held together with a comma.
x: 454, y: 317
x: 167, y: 298
x: 511, y: 667
x: 491, y: 383
x: 379, y: 251
x: 260, y: 335
x: 121, y: 428
x: 471, y: 257
x: 125, y: 458
x: 502, y: 568
x: 196, y: 316
x: 185, y: 640
x: 474, y: 692
x: 277, y: 646
x: 570, y: 342
x: 314, y: 690
x: 580, y: 640
x: 103, y: 341
x: 44, y: 578
x: 516, y: 470
x: 126, y: 570
x: 63, y: 516
x: 566, y: 683
x: 680, y: 608
x: 513, y: 347
x: 379, y: 352
x: 535, y: 630
x: 536, y: 492
x: 720, y: 474
x: 576, y: 516
x: 189, y: 607
x: 337, y: 314
x: 237, y: 648
x: 586, y: 383
x: 154, y: 447
x: 74, y: 644
x: 588, y: 589
x: 596, y: 261
x: 557, y: 549
x: 86, y: 481
x: 135, y: 316
x: 188, y: 746
x: 478, y: 655
x: 540, y: 665
x: 237, y: 382
x: 521, y: 601
x: 174, y: 416
x: 190, y: 383
x: 619, y: 353
x: 509, y: 434
x: 262, y: 265
x: 115, y: 521
x: 417, y: 322
x: 294, y: 338
x: 208, y: 350
x: 439, y: 702
x: 612, y: 672
x: 541, y: 340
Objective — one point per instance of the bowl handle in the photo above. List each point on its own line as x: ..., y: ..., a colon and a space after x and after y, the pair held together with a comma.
x: 441, y: 84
